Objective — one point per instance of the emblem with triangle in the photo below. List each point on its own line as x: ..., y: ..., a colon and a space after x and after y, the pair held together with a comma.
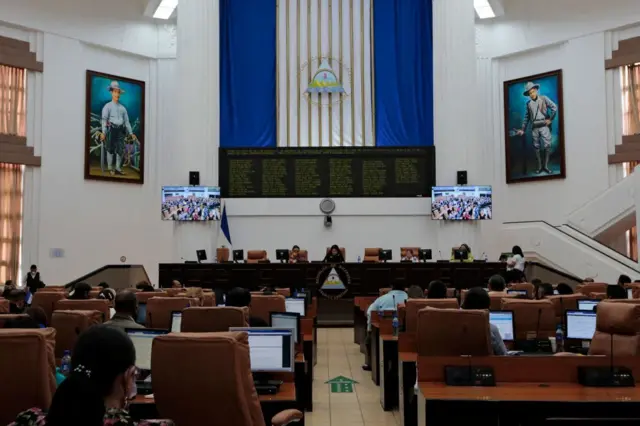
x: 325, y: 80
x: 333, y: 281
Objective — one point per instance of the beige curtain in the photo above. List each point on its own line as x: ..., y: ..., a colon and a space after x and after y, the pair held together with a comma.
x: 13, y: 115
x: 13, y: 122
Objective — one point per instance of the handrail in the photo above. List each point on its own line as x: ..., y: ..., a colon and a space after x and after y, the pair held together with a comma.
x: 554, y: 270
x: 575, y: 239
x: 590, y: 237
x: 103, y: 268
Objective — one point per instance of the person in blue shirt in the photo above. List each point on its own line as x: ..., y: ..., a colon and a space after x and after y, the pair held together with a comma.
x: 386, y: 302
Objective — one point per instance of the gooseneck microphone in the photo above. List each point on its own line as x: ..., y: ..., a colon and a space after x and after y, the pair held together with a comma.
x: 538, y: 327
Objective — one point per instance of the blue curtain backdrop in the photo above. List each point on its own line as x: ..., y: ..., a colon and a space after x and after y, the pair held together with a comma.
x: 248, y: 73
x: 403, y: 51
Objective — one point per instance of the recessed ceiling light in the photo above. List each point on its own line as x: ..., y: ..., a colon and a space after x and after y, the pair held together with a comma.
x: 483, y: 9
x: 165, y: 9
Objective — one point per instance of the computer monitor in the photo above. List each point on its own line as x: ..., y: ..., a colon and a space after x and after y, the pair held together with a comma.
x: 385, y: 255
x: 176, y: 321
x: 301, y: 294
x: 629, y: 293
x: 296, y: 305
x: 238, y: 255
x: 504, y: 321
x: 459, y: 254
x: 581, y: 324
x: 424, y: 254
x: 587, y: 305
x: 287, y: 320
x: 518, y: 292
x: 282, y: 255
x: 142, y: 339
x: 142, y: 313
x: 201, y: 255
x: 270, y: 349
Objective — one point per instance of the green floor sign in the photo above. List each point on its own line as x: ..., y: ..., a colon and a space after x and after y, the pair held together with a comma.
x: 341, y: 384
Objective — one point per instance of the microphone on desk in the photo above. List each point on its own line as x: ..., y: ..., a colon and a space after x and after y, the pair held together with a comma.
x: 440, y: 253
x: 482, y: 257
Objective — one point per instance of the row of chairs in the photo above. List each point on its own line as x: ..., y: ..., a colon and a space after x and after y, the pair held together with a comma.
x: 201, y: 391
x: 371, y: 254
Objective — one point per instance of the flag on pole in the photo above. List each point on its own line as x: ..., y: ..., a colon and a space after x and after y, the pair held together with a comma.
x: 224, y: 224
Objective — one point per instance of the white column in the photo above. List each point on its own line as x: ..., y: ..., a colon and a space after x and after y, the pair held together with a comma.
x: 636, y: 195
x: 197, y: 111
x: 196, y: 118
x: 455, y: 107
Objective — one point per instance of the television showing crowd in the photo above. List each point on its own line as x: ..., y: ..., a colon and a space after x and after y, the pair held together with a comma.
x: 191, y: 208
x: 461, y: 206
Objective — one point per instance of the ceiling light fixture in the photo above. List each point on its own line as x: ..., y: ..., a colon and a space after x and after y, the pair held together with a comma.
x: 165, y: 9
x: 483, y: 9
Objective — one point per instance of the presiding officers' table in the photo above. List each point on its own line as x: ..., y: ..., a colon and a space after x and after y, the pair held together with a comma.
x: 358, y: 279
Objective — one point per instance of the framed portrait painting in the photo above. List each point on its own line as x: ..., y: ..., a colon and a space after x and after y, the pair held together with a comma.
x: 534, y: 128
x: 114, y: 134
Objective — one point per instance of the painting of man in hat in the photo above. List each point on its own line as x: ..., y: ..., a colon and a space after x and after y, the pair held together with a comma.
x: 115, y: 128
x: 534, y: 136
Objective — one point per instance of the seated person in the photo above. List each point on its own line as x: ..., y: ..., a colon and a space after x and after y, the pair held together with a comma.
x: 240, y: 297
x: 478, y: 298
x: 100, y: 386
x: 8, y: 286
x: 25, y: 322
x: 103, y: 285
x: 615, y: 291
x: 544, y: 290
x: 437, y: 290
x: 37, y: 314
x: 109, y: 295
x: 145, y: 286
x: 623, y: 279
x: 415, y: 292
x: 334, y: 255
x: 497, y: 284
x: 465, y: 248
x: 409, y: 256
x: 564, y: 288
x: 588, y: 280
x: 514, y: 276
x: 294, y: 253
x: 386, y: 302
x: 176, y: 284
x: 126, y: 307
x: 80, y: 292
x: 17, y: 303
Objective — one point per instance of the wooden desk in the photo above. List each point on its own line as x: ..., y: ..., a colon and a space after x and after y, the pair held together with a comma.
x: 388, y: 371
x: 406, y: 382
x: 364, y: 278
x: 529, y: 390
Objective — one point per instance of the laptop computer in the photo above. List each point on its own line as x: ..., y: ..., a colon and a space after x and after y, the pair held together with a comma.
x: 142, y: 339
x: 176, y: 321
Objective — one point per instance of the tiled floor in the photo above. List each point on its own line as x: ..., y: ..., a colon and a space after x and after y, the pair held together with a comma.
x: 339, y: 356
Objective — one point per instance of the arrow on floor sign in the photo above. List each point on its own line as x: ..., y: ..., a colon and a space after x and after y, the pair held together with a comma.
x: 341, y: 384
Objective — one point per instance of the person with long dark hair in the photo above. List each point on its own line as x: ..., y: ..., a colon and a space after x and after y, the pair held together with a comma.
x: 516, y: 261
x: 99, y: 388
x: 334, y: 255
x: 80, y: 292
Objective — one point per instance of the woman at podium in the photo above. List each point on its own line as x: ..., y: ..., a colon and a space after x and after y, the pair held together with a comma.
x: 334, y: 255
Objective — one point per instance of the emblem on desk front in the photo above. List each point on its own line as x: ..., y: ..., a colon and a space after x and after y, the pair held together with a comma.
x: 332, y: 281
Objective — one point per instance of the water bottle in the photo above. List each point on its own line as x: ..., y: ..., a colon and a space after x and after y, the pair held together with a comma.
x: 215, y: 257
x: 359, y: 260
x: 395, y: 323
x: 559, y: 339
x: 65, y: 366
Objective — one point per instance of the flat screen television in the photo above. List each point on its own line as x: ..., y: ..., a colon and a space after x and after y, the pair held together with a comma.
x: 191, y: 203
x: 461, y: 203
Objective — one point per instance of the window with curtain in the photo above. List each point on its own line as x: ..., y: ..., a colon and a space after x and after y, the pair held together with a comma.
x: 13, y: 122
x: 630, y: 85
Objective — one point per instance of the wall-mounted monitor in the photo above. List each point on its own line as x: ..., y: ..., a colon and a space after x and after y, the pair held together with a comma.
x: 461, y: 203
x: 191, y: 203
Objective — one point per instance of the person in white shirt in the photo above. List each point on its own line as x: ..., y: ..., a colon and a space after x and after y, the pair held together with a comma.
x: 516, y: 261
x: 409, y: 256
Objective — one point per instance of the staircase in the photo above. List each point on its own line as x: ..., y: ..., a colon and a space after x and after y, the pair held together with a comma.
x: 568, y: 250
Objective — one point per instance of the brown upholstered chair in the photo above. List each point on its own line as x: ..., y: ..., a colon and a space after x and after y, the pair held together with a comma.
x: 6, y: 317
x: 588, y: 288
x: 95, y: 292
x: 255, y: 256
x: 47, y: 301
x: 371, y: 255
x: 212, y: 319
x: 4, y: 306
x: 619, y: 322
x: 526, y: 314
x: 100, y: 305
x: 208, y: 298
x: 262, y: 305
x: 69, y: 324
x: 528, y: 287
x: 191, y: 398
x: 159, y: 310
x: 172, y: 292
x: 222, y: 253
x: 414, y: 250
x: 27, y: 366
x: 286, y: 292
x: 467, y: 332
x: 496, y: 299
x: 144, y: 296
x: 412, y: 306
x: 598, y: 295
x: 49, y: 288
x: 562, y: 303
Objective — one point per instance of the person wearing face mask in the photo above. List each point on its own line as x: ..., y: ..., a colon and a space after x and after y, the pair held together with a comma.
x: 99, y: 388
x: 33, y: 279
